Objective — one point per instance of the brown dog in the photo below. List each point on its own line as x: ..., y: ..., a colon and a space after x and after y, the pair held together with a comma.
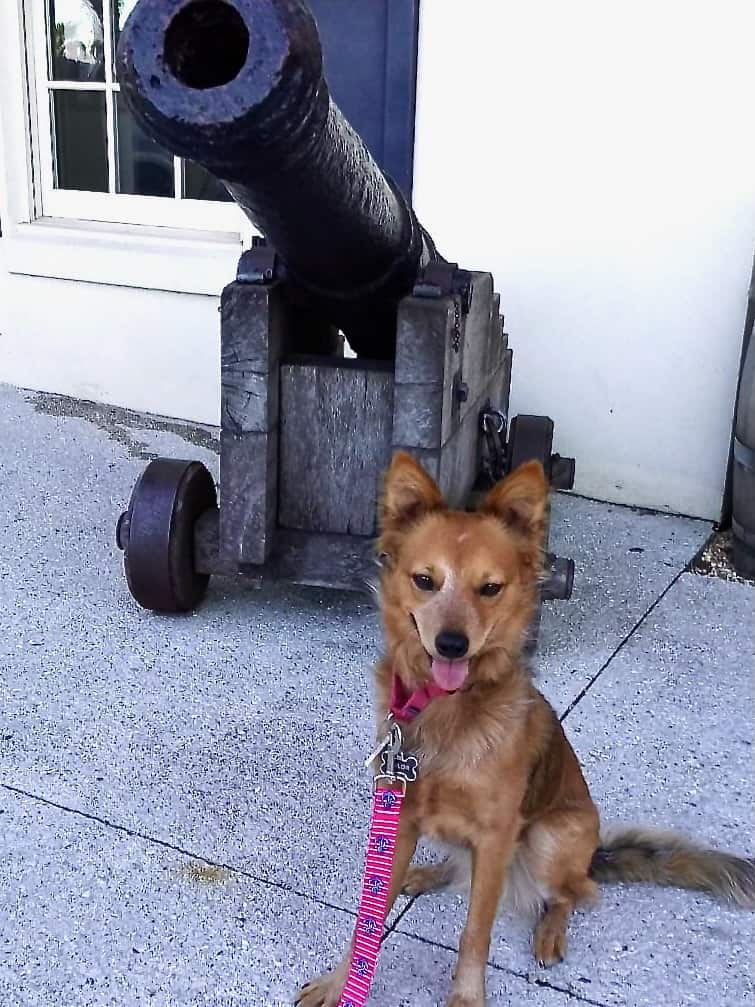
x: 498, y: 779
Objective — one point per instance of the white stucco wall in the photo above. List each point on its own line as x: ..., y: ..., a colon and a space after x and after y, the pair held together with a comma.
x: 151, y: 350
x: 599, y: 159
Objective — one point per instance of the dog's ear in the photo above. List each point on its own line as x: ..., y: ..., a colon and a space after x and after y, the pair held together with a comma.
x: 520, y: 500
x: 408, y: 493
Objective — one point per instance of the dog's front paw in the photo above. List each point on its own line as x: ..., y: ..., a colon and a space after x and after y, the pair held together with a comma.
x: 325, y: 991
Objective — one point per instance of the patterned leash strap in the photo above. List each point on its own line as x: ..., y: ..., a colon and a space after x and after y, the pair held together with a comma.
x: 373, y: 902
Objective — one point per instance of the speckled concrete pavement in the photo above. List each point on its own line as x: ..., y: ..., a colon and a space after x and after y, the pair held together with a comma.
x: 182, y: 805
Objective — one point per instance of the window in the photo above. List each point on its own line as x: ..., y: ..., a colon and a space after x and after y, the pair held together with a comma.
x: 96, y: 163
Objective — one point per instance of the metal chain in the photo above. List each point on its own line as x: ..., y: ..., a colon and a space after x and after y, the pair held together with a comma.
x: 456, y: 339
x: 495, y: 454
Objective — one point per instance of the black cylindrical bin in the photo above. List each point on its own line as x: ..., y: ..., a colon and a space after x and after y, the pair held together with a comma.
x: 743, y: 473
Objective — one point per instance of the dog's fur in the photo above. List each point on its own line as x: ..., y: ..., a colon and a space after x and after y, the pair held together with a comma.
x: 498, y: 779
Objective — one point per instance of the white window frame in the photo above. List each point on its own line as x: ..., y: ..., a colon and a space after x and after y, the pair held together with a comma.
x: 110, y: 207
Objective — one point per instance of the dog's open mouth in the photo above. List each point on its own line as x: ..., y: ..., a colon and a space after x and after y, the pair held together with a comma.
x: 449, y: 675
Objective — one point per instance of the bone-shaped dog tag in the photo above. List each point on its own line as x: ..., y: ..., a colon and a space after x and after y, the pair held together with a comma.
x: 396, y: 764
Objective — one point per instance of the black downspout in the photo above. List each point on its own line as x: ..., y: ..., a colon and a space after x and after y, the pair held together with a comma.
x: 738, y: 510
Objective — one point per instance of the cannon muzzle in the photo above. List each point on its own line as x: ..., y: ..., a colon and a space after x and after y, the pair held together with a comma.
x: 238, y: 86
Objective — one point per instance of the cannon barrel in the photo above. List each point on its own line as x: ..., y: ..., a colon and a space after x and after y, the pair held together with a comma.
x: 238, y: 86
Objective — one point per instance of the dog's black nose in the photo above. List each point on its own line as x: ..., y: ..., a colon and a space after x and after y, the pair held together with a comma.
x: 451, y: 645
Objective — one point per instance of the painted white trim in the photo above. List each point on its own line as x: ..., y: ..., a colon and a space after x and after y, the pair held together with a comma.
x: 75, y: 85
x: 112, y: 146
x: 178, y: 181
x: 152, y: 258
x: 157, y: 211
x: 35, y: 40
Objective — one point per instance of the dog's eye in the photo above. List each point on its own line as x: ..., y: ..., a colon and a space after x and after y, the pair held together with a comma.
x: 423, y: 582
x: 490, y: 590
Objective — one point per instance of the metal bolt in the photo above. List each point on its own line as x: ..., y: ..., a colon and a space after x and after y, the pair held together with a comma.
x: 559, y: 578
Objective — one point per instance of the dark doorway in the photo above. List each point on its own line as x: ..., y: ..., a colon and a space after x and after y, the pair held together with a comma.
x: 370, y: 51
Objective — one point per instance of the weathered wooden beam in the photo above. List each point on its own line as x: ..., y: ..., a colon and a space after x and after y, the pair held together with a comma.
x: 254, y: 324
x: 455, y: 464
x: 437, y: 384
x: 346, y: 562
x: 248, y: 495
x: 424, y: 371
x: 322, y: 560
x: 482, y: 346
x: 335, y: 443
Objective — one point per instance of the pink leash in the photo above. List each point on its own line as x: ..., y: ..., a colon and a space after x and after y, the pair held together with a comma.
x: 373, y: 902
x: 395, y: 768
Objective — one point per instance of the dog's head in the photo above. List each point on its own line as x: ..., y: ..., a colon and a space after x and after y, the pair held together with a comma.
x: 458, y: 589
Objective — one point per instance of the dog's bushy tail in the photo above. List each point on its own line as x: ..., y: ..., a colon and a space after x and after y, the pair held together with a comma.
x: 635, y: 853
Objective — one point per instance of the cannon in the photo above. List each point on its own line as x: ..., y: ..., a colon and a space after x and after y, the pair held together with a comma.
x: 240, y: 88
x: 306, y: 430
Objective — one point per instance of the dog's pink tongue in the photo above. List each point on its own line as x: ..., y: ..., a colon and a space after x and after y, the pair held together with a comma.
x: 449, y: 675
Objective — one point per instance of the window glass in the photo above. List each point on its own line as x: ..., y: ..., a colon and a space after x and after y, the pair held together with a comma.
x: 143, y: 167
x: 198, y: 183
x: 80, y: 140
x: 96, y: 144
x: 76, y: 43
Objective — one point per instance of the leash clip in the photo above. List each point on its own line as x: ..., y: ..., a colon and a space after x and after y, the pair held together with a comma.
x: 396, y: 767
x: 384, y: 743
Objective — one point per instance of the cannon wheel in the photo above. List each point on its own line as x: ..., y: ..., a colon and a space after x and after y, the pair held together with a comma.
x: 531, y: 438
x: 156, y: 534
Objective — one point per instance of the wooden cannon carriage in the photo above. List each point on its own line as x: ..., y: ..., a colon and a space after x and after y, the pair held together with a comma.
x: 306, y: 431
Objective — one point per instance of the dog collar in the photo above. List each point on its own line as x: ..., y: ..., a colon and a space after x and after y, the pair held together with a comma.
x: 405, y: 705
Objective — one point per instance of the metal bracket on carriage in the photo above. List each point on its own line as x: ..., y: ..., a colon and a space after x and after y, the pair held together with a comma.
x: 445, y: 279
x: 258, y: 264
x: 558, y: 578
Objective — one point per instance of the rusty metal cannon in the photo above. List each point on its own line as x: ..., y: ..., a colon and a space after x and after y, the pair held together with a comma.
x: 240, y: 88
x: 306, y: 432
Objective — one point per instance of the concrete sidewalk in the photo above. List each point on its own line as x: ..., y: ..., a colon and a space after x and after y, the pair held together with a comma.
x: 182, y: 806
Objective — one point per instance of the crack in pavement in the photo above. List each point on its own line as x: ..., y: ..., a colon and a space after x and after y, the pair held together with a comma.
x: 620, y: 646
x: 634, y: 508
x: 400, y: 916
x: 530, y: 980
x: 280, y: 886
x: 165, y: 844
